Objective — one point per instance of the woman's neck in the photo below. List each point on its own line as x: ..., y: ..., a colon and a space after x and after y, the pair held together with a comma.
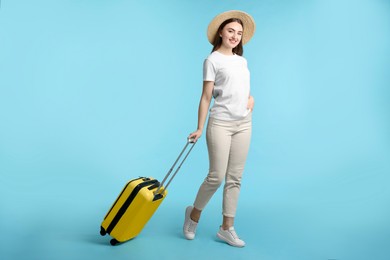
x: 225, y: 51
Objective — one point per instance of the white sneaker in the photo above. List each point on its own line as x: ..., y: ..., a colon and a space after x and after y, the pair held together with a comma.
x: 230, y: 236
x: 189, y: 227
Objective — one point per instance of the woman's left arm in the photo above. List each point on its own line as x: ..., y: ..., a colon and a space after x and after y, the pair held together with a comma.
x: 251, y: 103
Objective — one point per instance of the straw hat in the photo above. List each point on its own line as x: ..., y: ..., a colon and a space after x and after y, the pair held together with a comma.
x: 247, y: 20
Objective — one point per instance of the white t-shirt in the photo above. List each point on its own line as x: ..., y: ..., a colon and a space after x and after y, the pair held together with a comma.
x: 231, y: 85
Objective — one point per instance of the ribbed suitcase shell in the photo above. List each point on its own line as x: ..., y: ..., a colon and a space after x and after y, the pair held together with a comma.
x: 137, y: 202
x: 132, y: 209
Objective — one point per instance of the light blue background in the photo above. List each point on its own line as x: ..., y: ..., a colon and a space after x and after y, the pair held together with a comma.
x: 94, y: 93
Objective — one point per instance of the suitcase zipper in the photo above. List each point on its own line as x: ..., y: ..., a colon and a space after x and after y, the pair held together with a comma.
x: 121, y: 195
x: 127, y: 203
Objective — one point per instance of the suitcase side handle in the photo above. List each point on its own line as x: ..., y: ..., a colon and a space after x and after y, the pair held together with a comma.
x: 189, y: 141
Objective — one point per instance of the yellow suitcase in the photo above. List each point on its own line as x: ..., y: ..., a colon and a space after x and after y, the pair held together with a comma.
x: 136, y: 204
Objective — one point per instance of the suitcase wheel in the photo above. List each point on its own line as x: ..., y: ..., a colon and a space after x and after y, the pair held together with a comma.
x: 113, y: 242
x: 103, y: 232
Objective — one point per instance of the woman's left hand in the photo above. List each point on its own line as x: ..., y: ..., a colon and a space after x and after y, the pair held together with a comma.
x: 251, y: 103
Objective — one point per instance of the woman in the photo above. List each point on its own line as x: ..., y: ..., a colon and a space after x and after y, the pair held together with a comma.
x: 226, y: 78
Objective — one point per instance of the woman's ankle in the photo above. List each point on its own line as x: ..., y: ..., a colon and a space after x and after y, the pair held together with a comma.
x: 227, y: 222
x: 225, y: 227
x: 195, y: 214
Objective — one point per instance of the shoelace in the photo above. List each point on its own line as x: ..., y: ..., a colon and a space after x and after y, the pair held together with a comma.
x: 191, y: 227
x: 233, y: 234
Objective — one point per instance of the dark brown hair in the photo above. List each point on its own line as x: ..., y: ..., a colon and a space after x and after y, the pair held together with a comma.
x: 239, y: 50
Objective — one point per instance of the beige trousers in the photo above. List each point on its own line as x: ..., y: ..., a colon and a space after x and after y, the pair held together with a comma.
x: 228, y: 145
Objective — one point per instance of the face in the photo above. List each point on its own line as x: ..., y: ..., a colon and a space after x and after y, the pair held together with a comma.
x: 231, y: 35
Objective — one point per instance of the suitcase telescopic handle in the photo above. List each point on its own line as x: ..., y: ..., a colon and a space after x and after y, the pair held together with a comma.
x: 189, y: 141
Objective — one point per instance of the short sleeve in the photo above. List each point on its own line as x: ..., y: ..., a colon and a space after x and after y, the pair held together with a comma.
x: 208, y: 71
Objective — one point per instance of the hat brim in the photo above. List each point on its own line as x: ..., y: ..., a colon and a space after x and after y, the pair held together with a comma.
x: 247, y: 20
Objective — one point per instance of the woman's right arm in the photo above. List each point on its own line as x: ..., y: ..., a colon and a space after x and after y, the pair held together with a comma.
x: 204, y: 105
